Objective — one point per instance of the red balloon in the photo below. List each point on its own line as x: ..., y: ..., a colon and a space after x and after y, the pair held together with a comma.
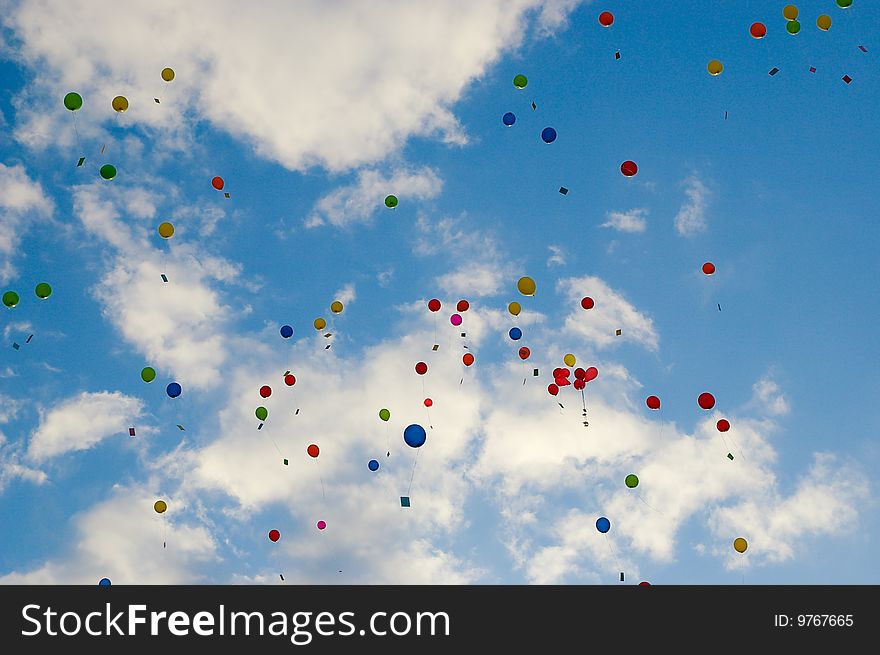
x: 644, y: 583
x: 313, y: 450
x: 708, y: 268
x: 563, y: 382
x: 553, y: 389
x: 557, y: 372
x: 274, y: 535
x: 653, y: 402
x: 289, y: 380
x: 758, y: 30
x: 580, y: 373
x: 468, y: 359
x: 706, y: 400
x: 217, y: 183
x: 434, y: 305
x: 265, y: 391
x: 591, y: 374
x: 587, y: 302
x: 462, y: 305
x: 723, y: 425
x: 428, y: 402
x: 579, y: 384
x: 629, y: 168
x: 421, y: 368
x: 606, y: 18
x: 524, y: 353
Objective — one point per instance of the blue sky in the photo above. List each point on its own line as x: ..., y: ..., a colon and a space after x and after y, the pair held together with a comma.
x: 312, y: 114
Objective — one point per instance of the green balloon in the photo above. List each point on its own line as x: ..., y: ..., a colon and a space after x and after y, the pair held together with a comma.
x: 843, y: 4
x: 10, y: 299
x: 108, y: 171
x: 391, y: 201
x: 43, y: 290
x: 148, y: 374
x: 793, y: 27
x: 384, y: 414
x: 262, y: 413
x: 520, y: 81
x: 632, y: 481
x: 73, y: 101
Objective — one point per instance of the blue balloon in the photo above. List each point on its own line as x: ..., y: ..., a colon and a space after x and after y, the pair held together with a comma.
x: 373, y: 465
x: 602, y: 524
x: 415, y: 435
x: 286, y: 331
x: 173, y: 390
x: 105, y: 582
x: 508, y: 119
x: 515, y: 333
x: 549, y: 135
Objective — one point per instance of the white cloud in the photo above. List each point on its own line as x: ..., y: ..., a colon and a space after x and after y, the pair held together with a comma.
x: 21, y: 200
x: 81, y: 422
x: 631, y: 221
x: 557, y: 256
x: 359, y: 202
x: 691, y: 217
x: 767, y: 395
x: 476, y: 279
x: 346, y: 295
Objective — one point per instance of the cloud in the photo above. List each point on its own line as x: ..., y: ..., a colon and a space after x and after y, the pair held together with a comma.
x: 21, y: 200
x: 631, y: 221
x: 557, y: 256
x: 359, y: 202
x: 81, y: 422
x: 611, y: 312
x: 691, y: 218
x: 346, y: 295
x: 767, y: 395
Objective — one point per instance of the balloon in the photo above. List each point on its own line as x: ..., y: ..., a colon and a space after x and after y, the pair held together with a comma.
x: 514, y: 308
x: 321, y: 525
x: 793, y: 27
x: 591, y: 374
x: 108, y: 171
x: 384, y: 414
x: 548, y: 134
x: 508, y: 119
x: 579, y: 373
x: 336, y: 307
x: 148, y: 374
x: 606, y: 18
x: 286, y: 331
x: 644, y: 583
x: 160, y: 506
x: 706, y: 400
x: 262, y: 413
x: 105, y: 582
x: 468, y: 359
x: 526, y: 286
x: 274, y: 535
x: 414, y: 435
x: 120, y: 104
x: 515, y: 333
x: 319, y: 323
x: 629, y: 168
x: 740, y: 545
x: 824, y: 22
x: 552, y: 389
x: 429, y: 402
x: 653, y: 402
x: 520, y: 81
x: 43, y: 290
x: 455, y: 319
x: 173, y: 390
x: 758, y: 30
x: 723, y: 425
x: 166, y: 230
x: 715, y: 67
x: 167, y: 74
x: 421, y: 368
x: 73, y: 101
x: 217, y: 182
x: 570, y: 360
x: 709, y: 268
x: 843, y: 4
x: 790, y: 12
x: 289, y: 379
x: 373, y: 465
x: 10, y: 299
x: 524, y: 353
x: 313, y: 450
x: 391, y: 201
x: 587, y: 302
x: 602, y: 524
x: 265, y: 391
x: 434, y: 305
x: 462, y: 305
x: 632, y: 481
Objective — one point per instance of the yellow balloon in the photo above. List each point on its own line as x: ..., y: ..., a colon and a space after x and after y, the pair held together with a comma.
x: 514, y: 308
x: 120, y: 103
x: 160, y: 506
x: 823, y: 22
x: 167, y: 74
x: 569, y: 359
x: 336, y: 307
x: 320, y: 323
x: 740, y: 545
x: 166, y: 229
x: 790, y: 12
x: 715, y: 67
x: 526, y: 286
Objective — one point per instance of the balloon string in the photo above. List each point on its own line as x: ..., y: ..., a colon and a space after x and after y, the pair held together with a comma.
x: 413, y: 473
x: 76, y: 132
x: 321, y: 478
x: 387, y: 439
x: 613, y: 554
x: 646, y: 503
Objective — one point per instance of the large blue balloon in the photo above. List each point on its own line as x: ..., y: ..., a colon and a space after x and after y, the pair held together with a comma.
x: 603, y: 524
x: 373, y: 465
x: 286, y: 331
x: 173, y: 390
x: 105, y: 582
x: 508, y: 119
x: 415, y: 435
x: 549, y: 135
x: 515, y: 333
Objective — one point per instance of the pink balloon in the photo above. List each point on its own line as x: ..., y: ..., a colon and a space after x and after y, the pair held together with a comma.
x: 322, y: 525
x: 455, y: 319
